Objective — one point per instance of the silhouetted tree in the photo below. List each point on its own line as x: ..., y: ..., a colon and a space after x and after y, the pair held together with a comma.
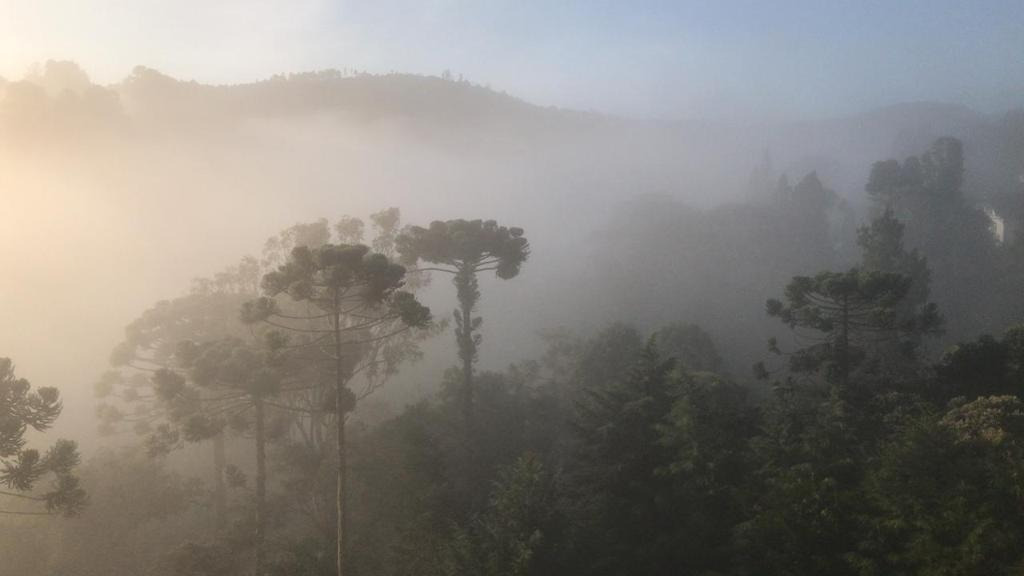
x: 464, y: 248
x: 357, y: 293
x: 984, y: 367
x: 926, y: 194
x: 128, y: 392
x: 21, y: 408
x: 847, y: 313
x: 245, y: 378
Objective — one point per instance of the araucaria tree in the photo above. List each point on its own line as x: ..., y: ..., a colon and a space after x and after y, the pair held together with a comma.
x: 242, y: 378
x: 130, y: 390
x: 464, y: 248
x: 21, y: 467
x: 847, y: 314
x: 356, y: 301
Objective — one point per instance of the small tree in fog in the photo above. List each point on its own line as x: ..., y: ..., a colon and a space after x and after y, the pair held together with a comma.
x: 464, y: 248
x: 357, y: 294
x: 22, y: 408
x: 128, y: 391
x: 883, y: 250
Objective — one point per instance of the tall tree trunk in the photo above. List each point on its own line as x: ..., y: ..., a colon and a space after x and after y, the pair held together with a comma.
x: 468, y: 355
x: 468, y: 293
x: 261, y: 487
x: 341, y: 407
x: 220, y: 493
x: 467, y: 339
x: 341, y: 485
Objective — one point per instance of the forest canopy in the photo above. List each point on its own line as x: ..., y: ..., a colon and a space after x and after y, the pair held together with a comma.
x: 336, y: 323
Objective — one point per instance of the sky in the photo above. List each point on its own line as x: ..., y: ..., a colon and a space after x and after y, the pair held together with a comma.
x: 681, y: 59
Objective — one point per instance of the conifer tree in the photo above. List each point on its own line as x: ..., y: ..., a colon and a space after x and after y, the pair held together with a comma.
x: 21, y: 468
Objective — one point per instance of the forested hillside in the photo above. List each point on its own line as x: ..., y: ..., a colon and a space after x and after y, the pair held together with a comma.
x: 341, y: 323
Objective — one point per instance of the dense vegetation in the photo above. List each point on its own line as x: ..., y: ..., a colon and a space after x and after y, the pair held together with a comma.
x: 880, y: 433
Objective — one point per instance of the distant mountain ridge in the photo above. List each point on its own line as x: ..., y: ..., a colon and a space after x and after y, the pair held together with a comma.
x: 448, y: 112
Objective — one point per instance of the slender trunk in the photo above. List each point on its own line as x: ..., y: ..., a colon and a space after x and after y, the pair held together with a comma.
x: 468, y: 356
x: 340, y: 408
x: 220, y: 494
x: 341, y: 487
x: 468, y: 293
x: 466, y: 338
x: 321, y: 513
x: 261, y: 487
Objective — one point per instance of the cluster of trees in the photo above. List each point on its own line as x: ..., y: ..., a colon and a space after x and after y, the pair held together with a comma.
x: 632, y: 453
x: 852, y: 448
x: 714, y: 267
x: 57, y: 98
x: 281, y: 351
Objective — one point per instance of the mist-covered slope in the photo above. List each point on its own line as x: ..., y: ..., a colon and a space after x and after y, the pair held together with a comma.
x: 135, y: 188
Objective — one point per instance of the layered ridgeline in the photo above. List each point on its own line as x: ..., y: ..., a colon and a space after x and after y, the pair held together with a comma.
x: 702, y: 160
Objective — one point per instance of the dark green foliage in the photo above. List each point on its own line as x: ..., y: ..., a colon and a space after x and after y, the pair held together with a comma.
x: 514, y: 535
x: 806, y: 509
x: 850, y: 314
x: 822, y: 436
x: 624, y: 514
x: 708, y: 429
x: 984, y: 367
x: 708, y: 433
x: 947, y: 489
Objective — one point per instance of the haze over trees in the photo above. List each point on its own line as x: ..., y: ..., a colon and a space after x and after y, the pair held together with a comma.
x: 711, y: 357
x: 464, y: 249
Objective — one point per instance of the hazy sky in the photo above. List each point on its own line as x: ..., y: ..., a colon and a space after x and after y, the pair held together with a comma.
x: 669, y: 59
